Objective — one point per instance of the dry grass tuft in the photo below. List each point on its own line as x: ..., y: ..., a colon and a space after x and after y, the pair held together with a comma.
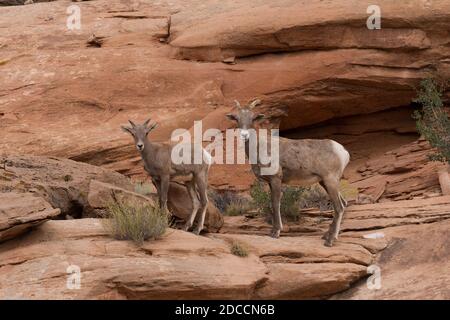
x: 238, y: 249
x: 136, y: 221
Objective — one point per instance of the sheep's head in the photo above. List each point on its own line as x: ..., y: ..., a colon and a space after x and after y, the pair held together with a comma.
x: 139, y: 132
x: 246, y: 118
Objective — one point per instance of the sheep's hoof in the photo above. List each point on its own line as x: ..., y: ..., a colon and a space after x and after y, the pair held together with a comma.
x: 186, y: 227
x: 197, y: 231
x: 329, y: 240
x: 275, y: 233
x: 326, y: 236
x: 328, y: 243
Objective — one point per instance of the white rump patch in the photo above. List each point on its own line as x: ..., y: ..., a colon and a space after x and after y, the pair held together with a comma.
x: 207, y: 157
x: 343, y: 154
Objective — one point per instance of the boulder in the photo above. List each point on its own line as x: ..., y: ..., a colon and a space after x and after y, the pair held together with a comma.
x: 402, y: 173
x: 180, y: 205
x: 179, y: 202
x: 19, y: 212
x: 415, y: 265
x: 101, y: 194
x: 291, y: 281
x: 61, y: 182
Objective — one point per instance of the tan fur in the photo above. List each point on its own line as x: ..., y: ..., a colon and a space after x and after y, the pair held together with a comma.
x: 159, y: 165
x: 301, y: 163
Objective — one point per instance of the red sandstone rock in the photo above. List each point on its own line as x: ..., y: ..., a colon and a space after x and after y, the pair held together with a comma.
x: 60, y: 98
x: 182, y: 265
x: 19, y: 212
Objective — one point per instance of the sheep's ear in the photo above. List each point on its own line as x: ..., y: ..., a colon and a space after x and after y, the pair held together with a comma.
x: 128, y: 130
x: 153, y: 126
x: 258, y: 117
x: 232, y: 117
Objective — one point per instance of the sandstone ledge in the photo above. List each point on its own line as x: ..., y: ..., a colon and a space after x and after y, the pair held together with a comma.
x: 179, y: 266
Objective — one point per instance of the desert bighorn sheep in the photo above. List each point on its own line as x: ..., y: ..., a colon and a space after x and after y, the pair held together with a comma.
x: 301, y: 162
x: 157, y: 157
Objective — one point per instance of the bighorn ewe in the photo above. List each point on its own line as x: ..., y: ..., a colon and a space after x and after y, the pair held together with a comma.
x: 301, y: 162
x: 157, y: 157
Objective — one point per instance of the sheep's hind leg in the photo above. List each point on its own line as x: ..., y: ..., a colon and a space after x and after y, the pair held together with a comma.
x: 195, y: 205
x: 344, y: 202
x: 332, y: 186
x: 327, y: 233
x: 202, y: 184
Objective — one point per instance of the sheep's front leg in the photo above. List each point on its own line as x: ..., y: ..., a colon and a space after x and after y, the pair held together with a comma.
x: 157, y: 185
x: 275, y: 193
x: 164, y: 188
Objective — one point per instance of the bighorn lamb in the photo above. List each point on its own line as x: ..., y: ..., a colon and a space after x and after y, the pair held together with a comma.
x: 301, y: 162
x: 157, y: 157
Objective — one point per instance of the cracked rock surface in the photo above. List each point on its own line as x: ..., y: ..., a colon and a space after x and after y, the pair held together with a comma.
x: 163, y: 59
x: 183, y: 266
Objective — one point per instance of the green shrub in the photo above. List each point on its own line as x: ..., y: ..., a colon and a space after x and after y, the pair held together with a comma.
x: 432, y: 120
x: 237, y: 207
x: 292, y: 201
x: 315, y: 197
x: 230, y: 203
x: 136, y: 221
x: 222, y: 199
x: 261, y: 198
x: 238, y: 249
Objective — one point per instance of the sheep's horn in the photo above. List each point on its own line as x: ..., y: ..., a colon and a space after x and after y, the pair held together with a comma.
x: 132, y: 123
x: 147, y: 122
x: 237, y: 104
x: 254, y: 103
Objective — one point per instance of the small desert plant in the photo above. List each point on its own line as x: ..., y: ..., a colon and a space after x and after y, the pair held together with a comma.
x: 237, y: 207
x: 261, y: 198
x: 135, y: 220
x: 432, y: 120
x: 222, y: 199
x: 229, y: 203
x: 238, y: 249
x: 348, y: 191
x: 292, y: 201
x: 143, y: 188
x: 314, y: 197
